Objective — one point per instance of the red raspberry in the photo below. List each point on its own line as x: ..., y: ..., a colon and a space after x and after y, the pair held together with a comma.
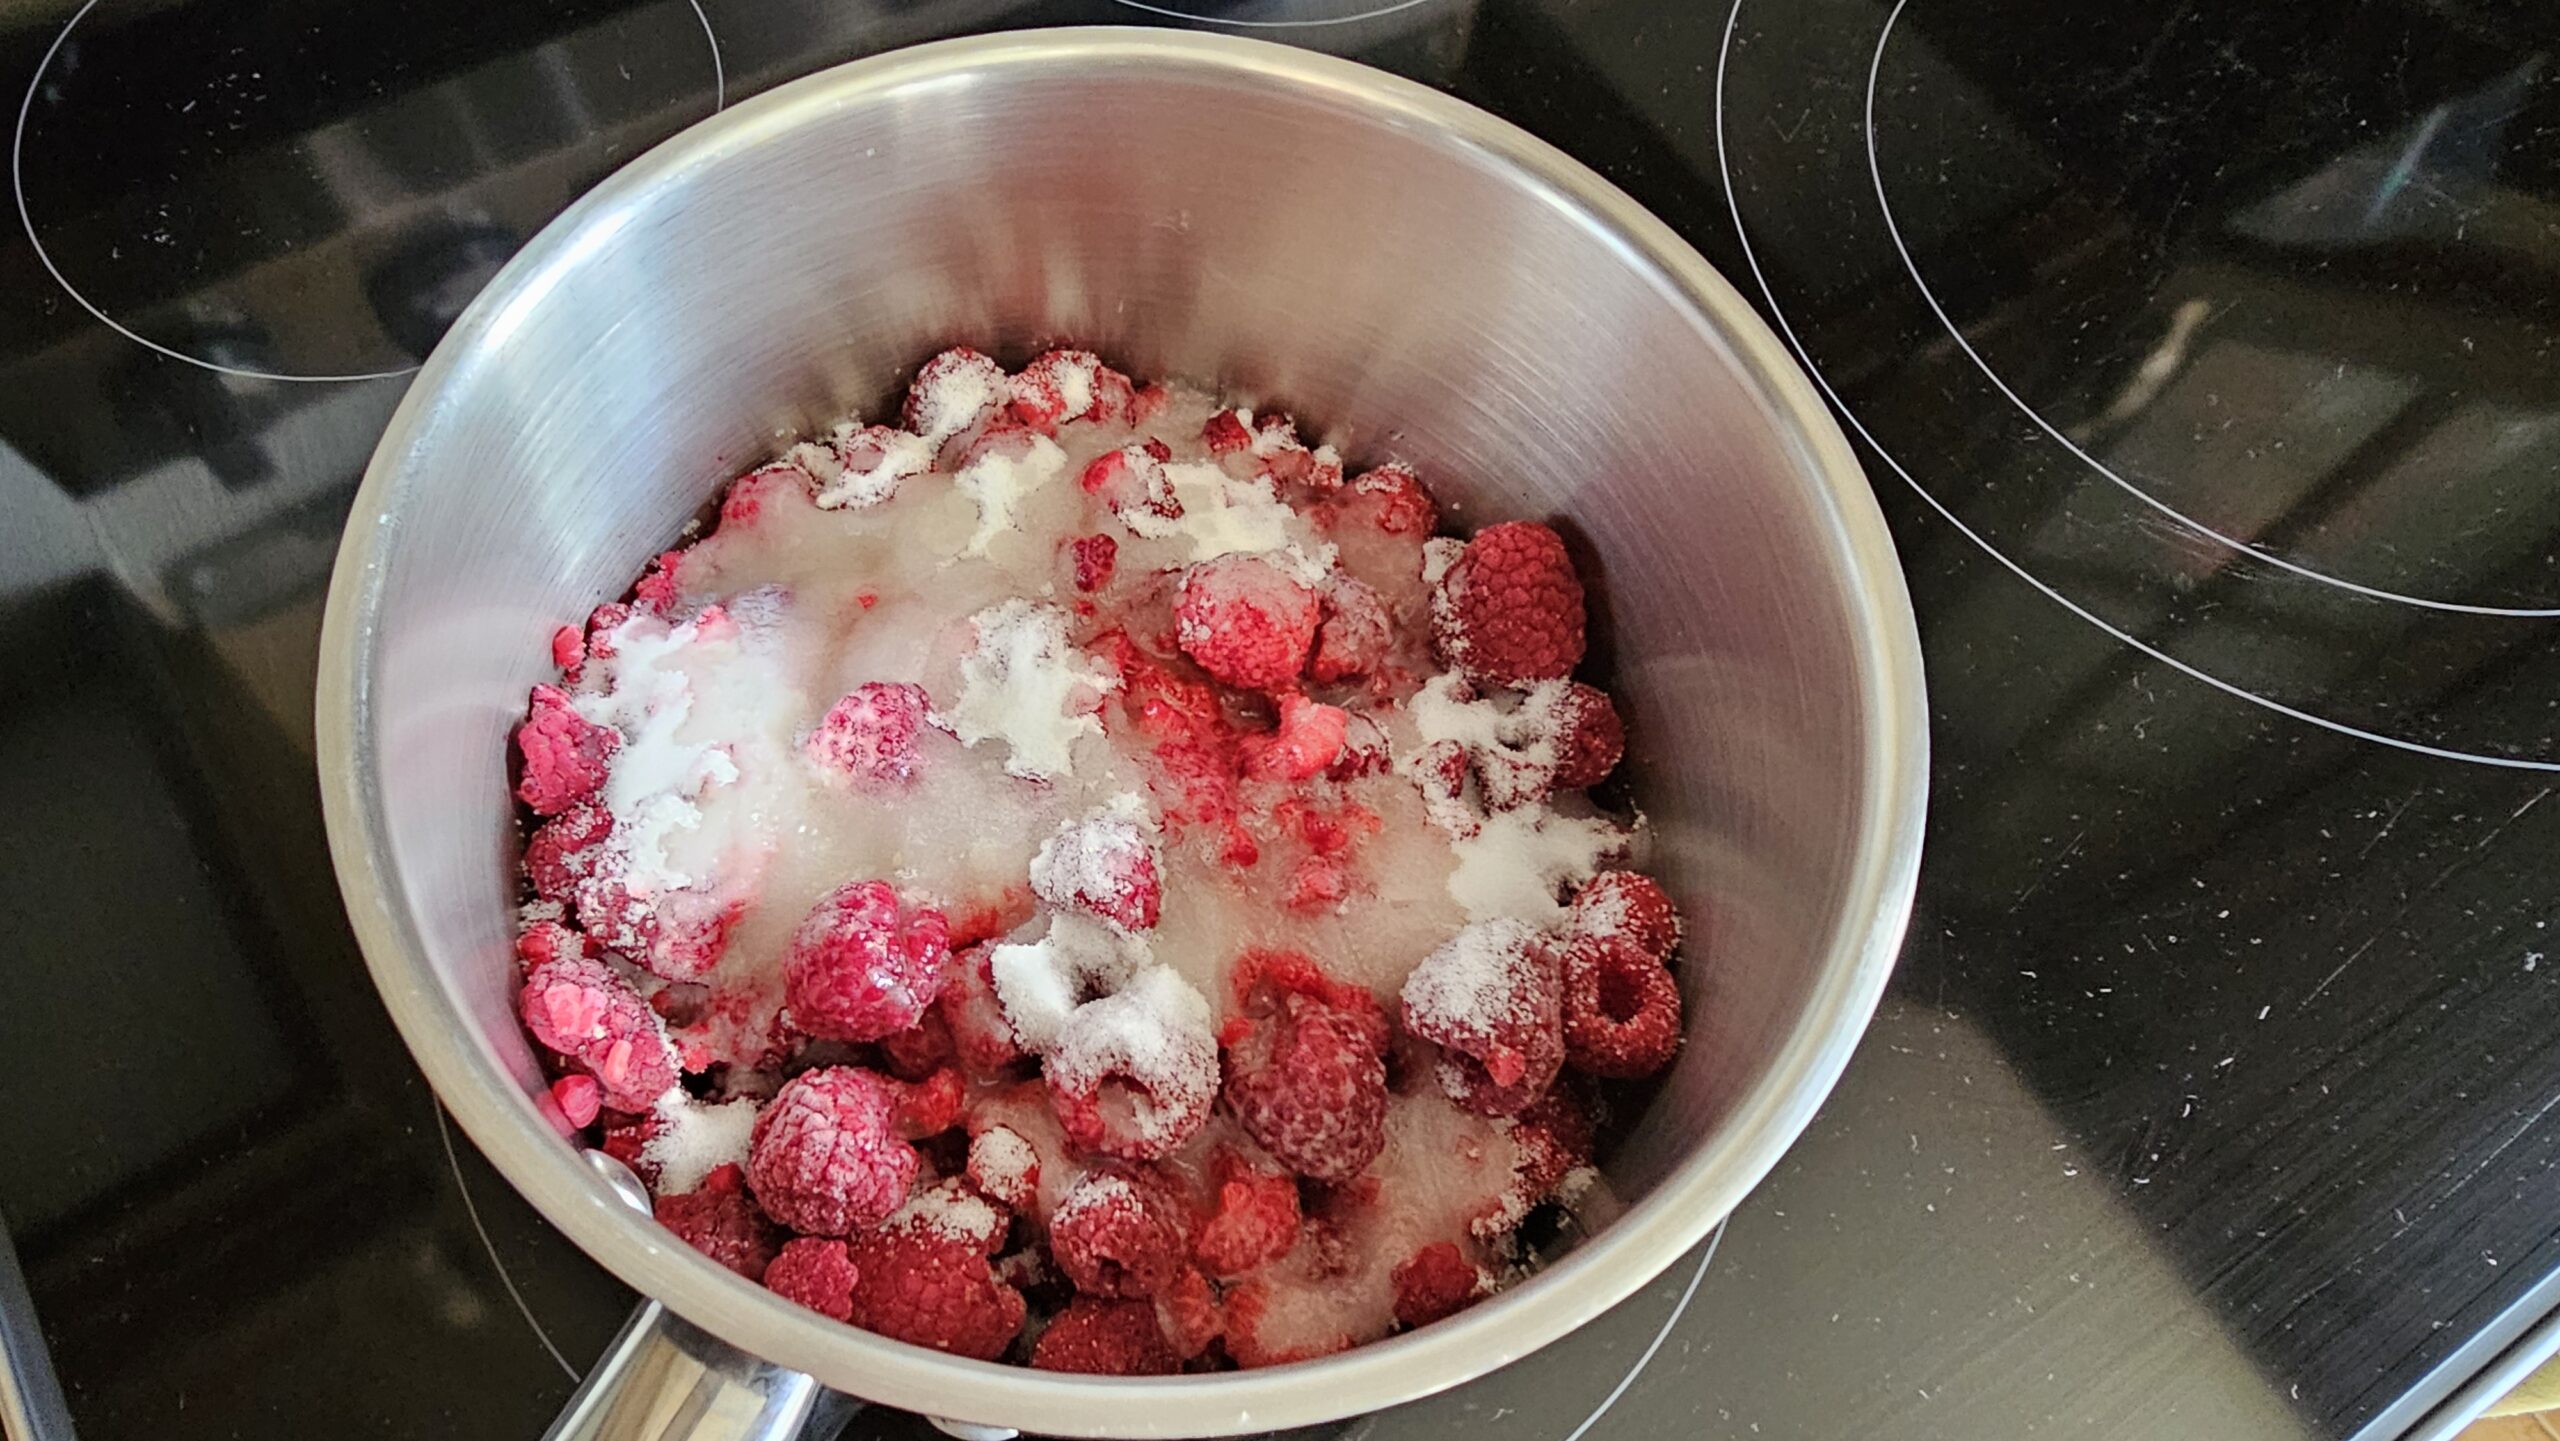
x: 1364, y: 750
x: 1117, y: 1233
x: 928, y: 1107
x: 817, y: 1273
x: 627, y: 1136
x: 825, y: 1157
x: 871, y: 735
x: 565, y: 850
x: 1628, y: 903
x: 1621, y: 1008
x: 1187, y: 1312
x: 863, y: 965
x: 1149, y: 402
x: 1064, y: 386
x: 747, y: 496
x: 1104, y: 864
x: 1005, y: 1168
x: 1391, y: 498
x: 1509, y: 612
x: 1589, y: 737
x: 920, y: 1050
x: 657, y: 590
x: 1309, y: 740
x: 1106, y: 1338
x: 583, y: 1010
x: 922, y: 1277
x: 1491, y: 999
x: 718, y: 1219
x: 1551, y: 1139
x: 1309, y: 1085
x: 565, y: 754
x: 1437, y: 1282
x: 541, y: 942
x: 569, y: 652
x: 580, y: 1100
x: 1245, y: 622
x: 1226, y: 433
x: 863, y: 467
x: 679, y: 935
x: 1134, y: 1073
x: 956, y: 391
x: 1095, y: 558
x: 1264, y: 978
x: 1256, y: 1220
x: 980, y: 1031
x: 1133, y: 482
x: 1355, y: 634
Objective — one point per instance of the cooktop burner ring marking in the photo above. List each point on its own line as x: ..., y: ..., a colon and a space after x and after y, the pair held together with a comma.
x: 1911, y: 266
x: 27, y: 222
x: 444, y: 1131
x: 1168, y: 10
x: 1733, y: 200
x: 1654, y: 1347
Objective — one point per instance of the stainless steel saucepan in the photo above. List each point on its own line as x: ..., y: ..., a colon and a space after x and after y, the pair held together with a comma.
x: 1412, y: 277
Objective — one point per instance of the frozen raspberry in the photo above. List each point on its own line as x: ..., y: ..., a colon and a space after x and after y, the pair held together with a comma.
x: 871, y: 736
x: 1255, y: 1221
x: 921, y: 1049
x: 1589, y: 737
x: 542, y: 942
x: 565, y: 850
x: 721, y: 1221
x: 1310, y: 1086
x: 980, y: 1031
x: 1149, y: 402
x: 626, y: 1139
x: 1309, y: 740
x: 1245, y: 622
x: 1095, y: 558
x: 956, y: 391
x: 569, y: 652
x: 924, y: 1286
x: 1355, y: 634
x: 862, y: 466
x: 826, y: 1158
x: 658, y: 591
x: 748, y: 495
x: 1509, y: 611
x: 1391, y: 498
x: 1264, y: 978
x: 1621, y: 1008
x: 928, y: 1107
x: 1628, y: 903
x: 1133, y: 1074
x: 1104, y: 864
x: 1065, y: 386
x: 1437, y: 1282
x: 1005, y: 1167
x: 565, y: 754
x: 583, y: 1010
x: 1491, y: 999
x: 817, y: 1273
x: 1117, y: 1233
x: 864, y: 964
x: 580, y: 1100
x: 1285, y: 460
x: 1187, y: 1312
x: 1226, y: 432
x: 678, y: 935
x: 1106, y: 1338
x: 1134, y: 483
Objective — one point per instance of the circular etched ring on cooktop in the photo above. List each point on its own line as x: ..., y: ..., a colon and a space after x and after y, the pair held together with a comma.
x: 286, y: 191
x: 2142, y: 322
x: 1272, y: 14
x: 1791, y: 131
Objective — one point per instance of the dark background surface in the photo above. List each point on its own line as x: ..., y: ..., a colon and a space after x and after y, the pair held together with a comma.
x: 2211, y: 1097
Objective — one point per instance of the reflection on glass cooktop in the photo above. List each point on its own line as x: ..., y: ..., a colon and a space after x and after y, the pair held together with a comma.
x: 2203, y: 359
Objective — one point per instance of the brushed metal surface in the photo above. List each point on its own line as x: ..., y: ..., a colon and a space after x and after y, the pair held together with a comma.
x: 1413, y: 277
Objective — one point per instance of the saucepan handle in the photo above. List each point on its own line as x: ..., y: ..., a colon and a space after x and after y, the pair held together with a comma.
x: 665, y: 1379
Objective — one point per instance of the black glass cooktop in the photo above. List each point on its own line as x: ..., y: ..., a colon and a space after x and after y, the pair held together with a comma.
x: 2202, y: 355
